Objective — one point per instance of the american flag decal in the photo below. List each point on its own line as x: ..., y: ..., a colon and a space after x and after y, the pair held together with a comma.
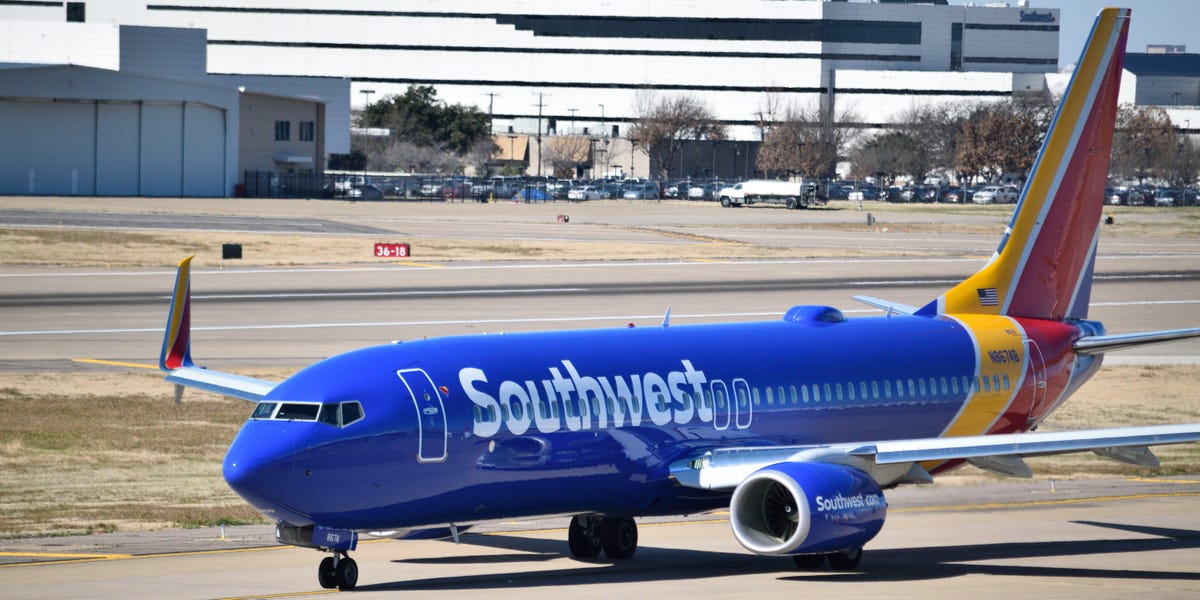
x: 988, y: 297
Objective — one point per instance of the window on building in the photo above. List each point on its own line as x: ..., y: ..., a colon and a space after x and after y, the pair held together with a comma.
x: 76, y: 12
x: 283, y: 131
x: 306, y: 131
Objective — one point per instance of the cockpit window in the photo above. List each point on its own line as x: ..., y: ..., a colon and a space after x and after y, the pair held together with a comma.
x: 290, y: 411
x: 264, y: 410
x: 339, y: 414
x: 351, y: 412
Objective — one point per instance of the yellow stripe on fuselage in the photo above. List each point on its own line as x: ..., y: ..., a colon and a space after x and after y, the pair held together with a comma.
x: 999, y: 368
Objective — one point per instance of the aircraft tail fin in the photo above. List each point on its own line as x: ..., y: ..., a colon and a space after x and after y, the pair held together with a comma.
x: 1043, y: 266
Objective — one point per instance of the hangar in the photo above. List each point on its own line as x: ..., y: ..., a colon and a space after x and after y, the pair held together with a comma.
x: 160, y: 125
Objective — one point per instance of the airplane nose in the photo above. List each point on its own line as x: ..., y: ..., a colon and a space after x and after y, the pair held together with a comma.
x: 259, y: 466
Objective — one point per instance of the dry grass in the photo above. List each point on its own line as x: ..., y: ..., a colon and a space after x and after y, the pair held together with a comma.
x: 684, y: 223
x: 101, y: 451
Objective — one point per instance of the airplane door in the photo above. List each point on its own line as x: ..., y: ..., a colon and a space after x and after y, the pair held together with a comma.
x: 1037, y: 365
x: 431, y: 415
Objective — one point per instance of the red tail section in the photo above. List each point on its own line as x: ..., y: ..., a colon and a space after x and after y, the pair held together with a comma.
x: 1043, y: 267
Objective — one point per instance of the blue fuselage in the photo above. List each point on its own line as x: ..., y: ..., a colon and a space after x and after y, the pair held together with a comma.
x: 463, y: 429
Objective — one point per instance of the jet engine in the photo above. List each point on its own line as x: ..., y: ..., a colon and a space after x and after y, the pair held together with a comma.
x: 806, y: 508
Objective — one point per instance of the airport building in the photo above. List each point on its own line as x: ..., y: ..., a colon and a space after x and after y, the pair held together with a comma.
x: 584, y: 65
x: 541, y: 67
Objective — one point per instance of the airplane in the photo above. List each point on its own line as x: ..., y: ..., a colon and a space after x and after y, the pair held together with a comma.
x: 795, y: 425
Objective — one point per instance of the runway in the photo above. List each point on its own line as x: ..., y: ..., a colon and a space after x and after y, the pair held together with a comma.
x: 1105, y: 538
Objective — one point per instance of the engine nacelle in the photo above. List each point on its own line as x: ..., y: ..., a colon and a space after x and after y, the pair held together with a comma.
x: 806, y: 508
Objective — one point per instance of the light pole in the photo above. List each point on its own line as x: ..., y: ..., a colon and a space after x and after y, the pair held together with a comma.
x: 512, y: 153
x: 366, y: 103
x: 572, y: 111
x: 602, y: 123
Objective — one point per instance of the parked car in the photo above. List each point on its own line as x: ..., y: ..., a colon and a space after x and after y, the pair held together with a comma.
x: 702, y: 191
x: 587, y: 192
x: 641, y: 191
x: 679, y: 189
x: 368, y: 191
x: 1168, y: 197
x: 996, y: 194
x: 1116, y: 196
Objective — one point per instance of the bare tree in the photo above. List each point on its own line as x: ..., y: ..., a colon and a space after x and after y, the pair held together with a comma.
x: 385, y: 154
x: 566, y: 152
x: 1001, y: 137
x: 1183, y: 165
x: 935, y: 131
x: 664, y: 123
x: 887, y: 156
x: 1143, y: 142
x: 807, y: 141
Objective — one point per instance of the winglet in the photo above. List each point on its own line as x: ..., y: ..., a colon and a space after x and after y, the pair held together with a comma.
x: 1043, y: 266
x: 177, y: 340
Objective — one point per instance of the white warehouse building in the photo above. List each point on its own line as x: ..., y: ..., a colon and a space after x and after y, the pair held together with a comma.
x: 575, y: 66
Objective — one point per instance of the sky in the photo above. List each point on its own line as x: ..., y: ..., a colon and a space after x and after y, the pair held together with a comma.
x: 1154, y: 22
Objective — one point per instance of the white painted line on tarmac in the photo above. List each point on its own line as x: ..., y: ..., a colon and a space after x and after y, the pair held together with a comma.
x: 384, y: 294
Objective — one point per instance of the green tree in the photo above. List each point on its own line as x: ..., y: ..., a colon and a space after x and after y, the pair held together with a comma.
x: 417, y: 117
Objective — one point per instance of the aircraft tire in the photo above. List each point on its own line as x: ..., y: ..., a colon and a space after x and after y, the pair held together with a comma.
x: 808, y: 562
x: 845, y: 561
x: 583, y: 537
x: 326, y: 575
x: 347, y: 574
x: 619, y: 537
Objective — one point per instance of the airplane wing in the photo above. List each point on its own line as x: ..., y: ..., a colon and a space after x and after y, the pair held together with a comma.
x: 898, y: 461
x: 176, y: 357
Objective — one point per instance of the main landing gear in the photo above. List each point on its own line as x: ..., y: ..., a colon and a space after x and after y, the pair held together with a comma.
x: 589, y: 534
x: 338, y: 571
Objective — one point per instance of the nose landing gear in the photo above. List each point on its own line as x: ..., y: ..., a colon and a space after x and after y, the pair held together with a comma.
x: 338, y: 571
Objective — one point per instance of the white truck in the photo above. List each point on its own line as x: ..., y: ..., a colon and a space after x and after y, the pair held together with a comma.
x: 792, y: 194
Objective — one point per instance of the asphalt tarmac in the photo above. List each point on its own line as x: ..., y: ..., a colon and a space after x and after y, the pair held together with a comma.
x: 1102, y: 539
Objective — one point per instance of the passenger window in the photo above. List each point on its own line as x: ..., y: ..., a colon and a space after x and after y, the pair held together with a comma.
x: 1007, y: 384
x: 921, y: 386
x: 996, y: 382
x: 795, y: 396
x: 954, y: 385
x: 804, y: 393
x: 757, y: 398
x: 828, y: 393
x: 862, y: 390
x: 770, y: 397
x: 887, y: 389
x: 987, y: 386
x: 899, y: 389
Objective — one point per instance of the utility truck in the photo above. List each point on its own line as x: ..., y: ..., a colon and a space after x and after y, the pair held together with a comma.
x: 792, y: 194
